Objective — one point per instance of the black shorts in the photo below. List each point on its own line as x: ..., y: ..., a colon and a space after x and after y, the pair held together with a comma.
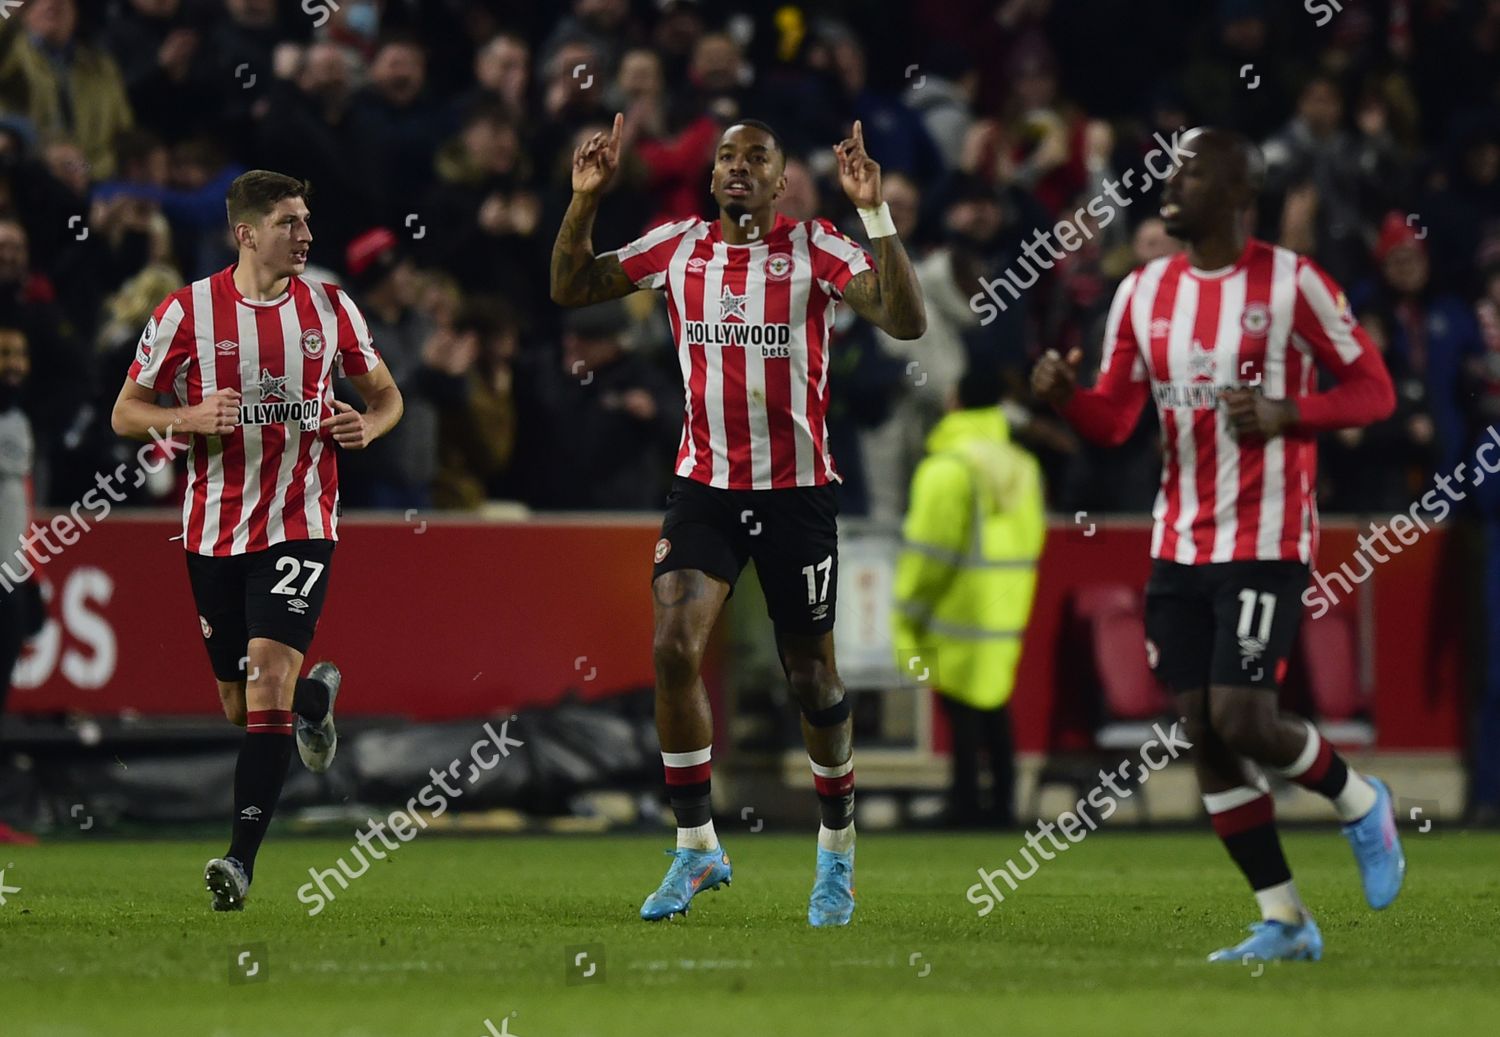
x: 791, y: 535
x: 276, y: 593
x: 1226, y: 623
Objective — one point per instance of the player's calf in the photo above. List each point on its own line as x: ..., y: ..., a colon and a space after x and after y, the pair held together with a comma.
x: 232, y: 698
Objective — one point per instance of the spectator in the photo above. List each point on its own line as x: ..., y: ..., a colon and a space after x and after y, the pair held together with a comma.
x: 413, y: 124
x: 676, y: 158
x: 478, y: 429
x: 892, y: 131
x: 944, y: 95
x: 172, y: 77
x: 311, y: 129
x: 1380, y: 469
x: 607, y: 427
x: 60, y: 82
x: 21, y: 609
x: 964, y: 584
x: 488, y: 210
x: 397, y: 470
x: 1333, y: 185
x: 60, y: 376
x: 502, y: 74
x: 1432, y: 332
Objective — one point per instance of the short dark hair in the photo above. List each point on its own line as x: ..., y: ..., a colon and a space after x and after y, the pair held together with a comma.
x: 255, y: 193
x: 756, y: 124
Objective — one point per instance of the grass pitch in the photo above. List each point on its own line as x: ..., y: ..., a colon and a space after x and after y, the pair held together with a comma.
x: 471, y: 937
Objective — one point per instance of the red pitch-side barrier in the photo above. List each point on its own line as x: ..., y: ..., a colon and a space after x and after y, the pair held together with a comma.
x: 441, y: 619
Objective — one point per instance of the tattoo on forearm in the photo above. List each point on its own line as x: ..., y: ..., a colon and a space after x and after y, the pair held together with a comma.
x: 900, y: 293
x: 577, y: 274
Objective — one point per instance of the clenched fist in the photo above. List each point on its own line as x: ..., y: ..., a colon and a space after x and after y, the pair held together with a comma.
x: 217, y: 415
x: 348, y: 427
x: 1055, y: 376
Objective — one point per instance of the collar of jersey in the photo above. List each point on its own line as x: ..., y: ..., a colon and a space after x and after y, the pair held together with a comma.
x: 262, y: 304
x: 781, y: 227
x: 1219, y: 273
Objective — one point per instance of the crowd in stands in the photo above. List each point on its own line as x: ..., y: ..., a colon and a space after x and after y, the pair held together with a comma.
x: 437, y: 136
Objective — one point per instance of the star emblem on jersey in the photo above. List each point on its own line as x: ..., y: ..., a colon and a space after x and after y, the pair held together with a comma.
x: 271, y: 386
x: 731, y: 305
x: 1201, y: 364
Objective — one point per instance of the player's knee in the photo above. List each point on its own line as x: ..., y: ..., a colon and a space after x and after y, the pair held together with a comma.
x: 1239, y: 726
x: 813, y: 684
x: 675, y: 658
x: 269, y: 671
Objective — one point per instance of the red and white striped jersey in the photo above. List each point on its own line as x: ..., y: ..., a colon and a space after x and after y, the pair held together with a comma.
x: 1269, y: 321
x: 274, y: 478
x: 751, y: 324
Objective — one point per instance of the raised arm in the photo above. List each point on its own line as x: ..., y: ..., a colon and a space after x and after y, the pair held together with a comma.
x: 578, y: 276
x: 889, y: 296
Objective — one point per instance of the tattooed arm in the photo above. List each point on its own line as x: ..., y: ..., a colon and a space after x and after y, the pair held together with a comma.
x: 889, y: 296
x: 578, y: 276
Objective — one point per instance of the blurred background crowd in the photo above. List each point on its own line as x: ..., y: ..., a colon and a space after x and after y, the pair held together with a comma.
x: 437, y: 135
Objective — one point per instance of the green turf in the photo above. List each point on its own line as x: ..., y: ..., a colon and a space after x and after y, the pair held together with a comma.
x: 116, y: 938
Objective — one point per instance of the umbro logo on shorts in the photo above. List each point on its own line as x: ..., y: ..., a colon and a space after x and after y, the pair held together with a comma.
x: 298, y: 606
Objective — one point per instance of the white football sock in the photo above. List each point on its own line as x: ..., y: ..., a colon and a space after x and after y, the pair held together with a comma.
x: 1280, y: 903
x: 1356, y: 800
x: 837, y: 839
x: 700, y: 838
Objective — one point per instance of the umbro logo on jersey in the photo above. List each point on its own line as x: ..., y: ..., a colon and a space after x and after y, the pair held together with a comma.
x: 226, y: 346
x: 696, y: 264
x: 1161, y: 327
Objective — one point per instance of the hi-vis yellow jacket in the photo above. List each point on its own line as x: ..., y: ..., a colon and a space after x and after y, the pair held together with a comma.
x: 967, y: 570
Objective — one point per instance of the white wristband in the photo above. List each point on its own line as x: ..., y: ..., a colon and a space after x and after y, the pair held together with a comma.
x: 878, y: 223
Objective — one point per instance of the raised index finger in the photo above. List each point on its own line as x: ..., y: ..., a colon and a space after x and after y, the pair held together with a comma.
x: 859, y: 135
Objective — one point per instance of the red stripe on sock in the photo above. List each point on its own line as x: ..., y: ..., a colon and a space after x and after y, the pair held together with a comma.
x: 1259, y: 811
x: 698, y: 772
x: 1314, y: 775
x: 841, y: 786
x: 269, y: 721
